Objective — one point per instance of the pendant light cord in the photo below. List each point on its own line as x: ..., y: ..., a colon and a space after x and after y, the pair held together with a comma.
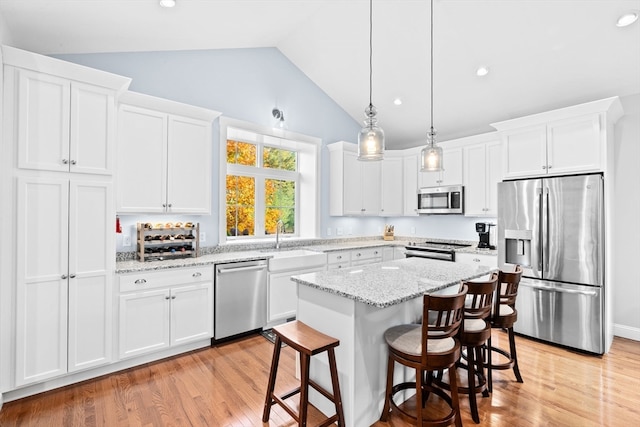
x: 370, y: 52
x: 432, y: 68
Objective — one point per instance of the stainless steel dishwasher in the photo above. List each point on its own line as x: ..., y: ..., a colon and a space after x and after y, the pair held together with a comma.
x: 240, y: 297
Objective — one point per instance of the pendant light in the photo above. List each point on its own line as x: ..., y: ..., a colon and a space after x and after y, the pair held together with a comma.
x: 431, y: 155
x: 371, y: 137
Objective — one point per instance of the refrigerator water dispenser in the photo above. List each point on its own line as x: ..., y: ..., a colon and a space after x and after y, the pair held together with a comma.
x: 518, y: 247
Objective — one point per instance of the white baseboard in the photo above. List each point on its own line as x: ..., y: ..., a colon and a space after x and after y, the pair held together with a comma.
x: 624, y: 331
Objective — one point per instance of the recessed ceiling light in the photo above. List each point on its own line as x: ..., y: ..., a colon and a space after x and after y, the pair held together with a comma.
x: 627, y: 19
x: 167, y: 3
x: 397, y: 101
x: 482, y: 71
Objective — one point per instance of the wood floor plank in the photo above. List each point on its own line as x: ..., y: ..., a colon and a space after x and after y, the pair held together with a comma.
x: 225, y: 385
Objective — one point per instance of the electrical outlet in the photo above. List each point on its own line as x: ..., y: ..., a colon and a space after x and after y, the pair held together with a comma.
x: 126, y: 240
x: 203, y: 237
x: 338, y: 231
x: 328, y: 231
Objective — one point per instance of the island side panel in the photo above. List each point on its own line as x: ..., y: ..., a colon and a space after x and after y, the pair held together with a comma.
x: 362, y: 354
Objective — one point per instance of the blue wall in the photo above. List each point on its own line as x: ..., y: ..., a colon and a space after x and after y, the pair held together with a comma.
x: 246, y: 84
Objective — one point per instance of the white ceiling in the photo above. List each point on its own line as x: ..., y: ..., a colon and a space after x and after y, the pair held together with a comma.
x: 542, y: 54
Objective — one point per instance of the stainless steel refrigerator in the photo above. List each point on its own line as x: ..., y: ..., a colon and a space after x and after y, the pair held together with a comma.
x: 554, y: 228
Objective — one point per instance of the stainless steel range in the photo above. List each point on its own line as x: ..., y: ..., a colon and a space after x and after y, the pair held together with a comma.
x: 434, y: 250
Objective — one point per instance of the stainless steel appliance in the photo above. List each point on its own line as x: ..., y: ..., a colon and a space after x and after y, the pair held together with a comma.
x: 433, y: 250
x: 554, y: 228
x: 240, y: 297
x: 441, y: 200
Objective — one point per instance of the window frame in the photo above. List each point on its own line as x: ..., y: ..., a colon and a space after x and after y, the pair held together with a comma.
x: 306, y: 178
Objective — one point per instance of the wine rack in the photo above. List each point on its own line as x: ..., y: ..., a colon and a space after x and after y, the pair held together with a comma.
x: 167, y: 241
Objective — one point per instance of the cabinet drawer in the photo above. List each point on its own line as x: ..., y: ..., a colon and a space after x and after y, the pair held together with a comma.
x: 338, y: 265
x: 156, y: 279
x: 338, y: 257
x: 368, y: 254
x: 477, y: 259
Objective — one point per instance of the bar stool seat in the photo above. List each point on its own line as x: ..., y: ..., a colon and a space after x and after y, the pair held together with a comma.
x: 307, y: 342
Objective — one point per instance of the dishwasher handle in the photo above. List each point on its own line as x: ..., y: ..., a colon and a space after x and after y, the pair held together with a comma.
x: 223, y: 270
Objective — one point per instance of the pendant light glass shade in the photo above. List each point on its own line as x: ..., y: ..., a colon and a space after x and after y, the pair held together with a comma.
x: 431, y: 155
x: 371, y: 137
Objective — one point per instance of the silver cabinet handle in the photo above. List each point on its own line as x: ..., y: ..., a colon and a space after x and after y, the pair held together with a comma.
x: 169, y: 205
x: 173, y: 297
x: 339, y: 257
x: 73, y: 162
x: 544, y: 167
x: 65, y: 161
x: 64, y: 276
x: 72, y: 276
x: 375, y: 253
x: 549, y: 167
x: 197, y: 274
x: 167, y: 297
x: 164, y: 205
x: 140, y: 281
x: 476, y: 260
x: 358, y: 254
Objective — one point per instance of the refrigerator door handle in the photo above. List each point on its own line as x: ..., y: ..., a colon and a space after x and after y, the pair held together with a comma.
x: 541, y: 219
x: 562, y: 290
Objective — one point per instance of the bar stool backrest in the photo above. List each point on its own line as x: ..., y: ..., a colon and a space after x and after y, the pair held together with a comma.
x: 479, y: 301
x: 507, y: 288
x: 444, y: 314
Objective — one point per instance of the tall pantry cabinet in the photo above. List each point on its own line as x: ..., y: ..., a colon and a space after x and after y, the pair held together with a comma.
x: 58, y: 245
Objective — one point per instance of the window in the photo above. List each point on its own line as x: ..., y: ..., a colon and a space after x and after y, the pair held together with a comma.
x: 268, y: 179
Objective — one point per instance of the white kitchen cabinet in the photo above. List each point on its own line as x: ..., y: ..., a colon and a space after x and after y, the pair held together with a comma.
x: 410, y: 181
x: 64, y: 125
x: 339, y: 259
x: 388, y: 253
x: 477, y: 259
x: 482, y: 172
x: 354, y: 186
x: 366, y: 256
x: 164, y: 156
x: 392, y: 180
x: 452, y: 173
x: 65, y: 265
x: 163, y: 309
x: 559, y: 142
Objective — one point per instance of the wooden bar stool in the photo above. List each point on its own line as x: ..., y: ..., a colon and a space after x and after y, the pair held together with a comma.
x: 504, y: 317
x: 307, y: 342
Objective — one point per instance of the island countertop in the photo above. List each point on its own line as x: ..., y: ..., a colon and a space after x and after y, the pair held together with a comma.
x: 393, y: 282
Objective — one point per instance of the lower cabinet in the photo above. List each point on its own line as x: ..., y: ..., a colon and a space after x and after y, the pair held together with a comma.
x: 356, y: 257
x: 164, y: 309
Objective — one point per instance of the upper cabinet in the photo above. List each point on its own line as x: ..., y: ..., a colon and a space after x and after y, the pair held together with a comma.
x: 566, y: 141
x: 164, y: 156
x: 354, y: 186
x: 452, y: 173
x: 65, y: 114
x: 392, y: 186
x: 410, y: 183
x: 482, y: 172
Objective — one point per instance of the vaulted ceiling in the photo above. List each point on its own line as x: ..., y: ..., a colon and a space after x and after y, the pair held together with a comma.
x: 541, y: 54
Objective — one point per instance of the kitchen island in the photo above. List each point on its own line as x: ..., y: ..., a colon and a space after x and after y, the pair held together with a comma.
x: 356, y: 305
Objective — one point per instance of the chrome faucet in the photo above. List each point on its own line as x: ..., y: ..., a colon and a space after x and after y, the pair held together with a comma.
x: 279, y: 226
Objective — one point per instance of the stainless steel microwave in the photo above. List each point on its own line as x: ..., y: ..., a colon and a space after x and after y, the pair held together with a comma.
x: 441, y: 200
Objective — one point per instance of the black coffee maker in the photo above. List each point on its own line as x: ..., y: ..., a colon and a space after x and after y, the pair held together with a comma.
x: 484, y: 233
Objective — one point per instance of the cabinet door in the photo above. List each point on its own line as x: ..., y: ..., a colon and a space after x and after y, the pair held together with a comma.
x: 41, y: 279
x: 352, y: 184
x: 142, y: 157
x: 574, y: 145
x: 92, y: 129
x: 410, y: 180
x: 189, y: 166
x: 370, y: 187
x: 43, y: 121
x: 91, y: 248
x: 392, y: 190
x: 283, y: 296
x: 494, y: 176
x: 191, y: 313
x: 144, y: 322
x: 524, y: 152
x: 475, y: 179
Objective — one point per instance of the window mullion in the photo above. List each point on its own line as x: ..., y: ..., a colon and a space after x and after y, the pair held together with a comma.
x: 260, y: 207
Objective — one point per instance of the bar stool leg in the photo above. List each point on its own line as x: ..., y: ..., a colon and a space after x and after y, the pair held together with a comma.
x: 471, y: 374
x: 489, y: 366
x: 272, y: 379
x: 304, y: 388
x: 336, y: 387
x: 514, y: 357
x: 387, y: 392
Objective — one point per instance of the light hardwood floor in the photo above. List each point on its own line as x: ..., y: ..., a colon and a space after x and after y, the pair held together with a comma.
x: 225, y: 386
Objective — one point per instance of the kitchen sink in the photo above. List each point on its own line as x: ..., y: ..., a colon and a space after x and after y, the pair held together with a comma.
x: 294, y: 259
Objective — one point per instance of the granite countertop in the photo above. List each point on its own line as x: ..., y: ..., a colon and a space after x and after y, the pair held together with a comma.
x: 243, y: 254
x: 393, y: 282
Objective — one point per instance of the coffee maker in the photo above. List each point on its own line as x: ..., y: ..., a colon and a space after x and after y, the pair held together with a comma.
x: 484, y: 233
